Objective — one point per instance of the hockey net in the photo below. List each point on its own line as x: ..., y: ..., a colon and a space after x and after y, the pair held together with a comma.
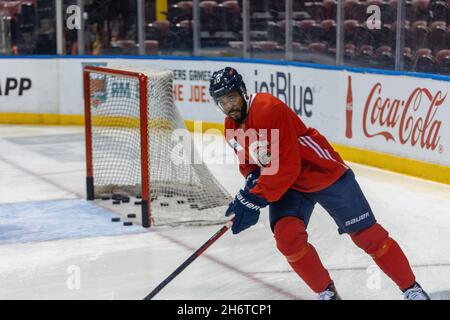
x: 132, y: 149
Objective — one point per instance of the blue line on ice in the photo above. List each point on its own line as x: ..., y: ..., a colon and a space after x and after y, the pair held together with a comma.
x: 57, y: 219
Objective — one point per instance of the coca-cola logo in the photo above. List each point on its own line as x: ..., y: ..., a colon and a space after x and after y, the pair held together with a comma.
x: 412, y: 120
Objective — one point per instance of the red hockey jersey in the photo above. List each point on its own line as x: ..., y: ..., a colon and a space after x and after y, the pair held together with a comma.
x: 303, y: 159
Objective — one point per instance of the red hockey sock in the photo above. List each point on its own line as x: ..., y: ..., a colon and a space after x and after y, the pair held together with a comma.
x: 292, y: 241
x: 386, y: 253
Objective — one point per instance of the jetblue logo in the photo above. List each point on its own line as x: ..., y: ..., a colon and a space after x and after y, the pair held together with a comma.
x: 298, y: 97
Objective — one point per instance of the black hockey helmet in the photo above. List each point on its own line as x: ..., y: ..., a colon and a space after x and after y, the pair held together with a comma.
x: 224, y: 81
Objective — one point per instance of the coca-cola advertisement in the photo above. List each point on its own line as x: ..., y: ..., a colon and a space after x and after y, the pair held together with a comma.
x: 349, y: 110
x: 404, y: 116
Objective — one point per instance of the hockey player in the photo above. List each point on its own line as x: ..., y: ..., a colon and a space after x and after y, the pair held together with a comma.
x: 308, y: 171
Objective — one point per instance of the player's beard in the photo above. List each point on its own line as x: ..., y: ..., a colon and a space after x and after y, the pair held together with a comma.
x: 243, y: 112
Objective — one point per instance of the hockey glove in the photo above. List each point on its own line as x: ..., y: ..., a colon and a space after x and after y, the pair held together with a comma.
x: 252, y: 179
x: 246, y: 208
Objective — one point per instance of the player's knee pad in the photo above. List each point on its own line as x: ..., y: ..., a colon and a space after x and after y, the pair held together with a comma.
x: 374, y: 240
x: 291, y: 238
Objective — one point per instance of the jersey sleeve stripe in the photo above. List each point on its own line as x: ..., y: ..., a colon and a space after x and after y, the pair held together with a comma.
x: 345, y: 166
x: 311, y: 146
x: 322, y: 153
x: 329, y: 155
x: 317, y: 147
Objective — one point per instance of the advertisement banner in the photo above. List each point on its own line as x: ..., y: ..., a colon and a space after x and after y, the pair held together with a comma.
x: 395, y: 114
x: 400, y: 115
x: 28, y: 86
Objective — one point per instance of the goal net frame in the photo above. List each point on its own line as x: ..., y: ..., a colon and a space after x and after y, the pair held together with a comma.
x: 144, y: 136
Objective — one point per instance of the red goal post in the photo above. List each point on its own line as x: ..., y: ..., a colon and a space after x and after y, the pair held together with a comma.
x: 137, y: 145
x: 143, y: 94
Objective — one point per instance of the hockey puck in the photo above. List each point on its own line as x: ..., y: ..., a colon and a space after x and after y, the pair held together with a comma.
x: 164, y: 204
x: 116, y: 202
x: 180, y: 201
x: 116, y: 197
x: 194, y: 206
x: 131, y: 215
x: 191, y: 199
x: 127, y: 223
x: 115, y: 219
x: 168, y: 195
x: 138, y: 202
x: 125, y: 199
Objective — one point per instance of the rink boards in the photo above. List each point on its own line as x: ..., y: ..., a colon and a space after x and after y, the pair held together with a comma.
x: 397, y: 121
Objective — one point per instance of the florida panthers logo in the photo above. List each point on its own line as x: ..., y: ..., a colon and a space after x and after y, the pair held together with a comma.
x: 98, y: 91
x: 259, y: 152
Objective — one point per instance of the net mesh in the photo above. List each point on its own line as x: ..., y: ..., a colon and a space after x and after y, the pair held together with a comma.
x: 182, y: 189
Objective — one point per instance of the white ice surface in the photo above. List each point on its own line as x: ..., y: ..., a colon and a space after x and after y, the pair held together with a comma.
x: 46, y: 165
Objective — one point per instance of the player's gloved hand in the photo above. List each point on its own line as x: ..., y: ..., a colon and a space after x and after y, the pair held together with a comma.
x: 246, y: 208
x: 252, y: 179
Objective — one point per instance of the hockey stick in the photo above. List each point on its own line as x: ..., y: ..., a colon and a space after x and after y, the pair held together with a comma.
x: 194, y: 256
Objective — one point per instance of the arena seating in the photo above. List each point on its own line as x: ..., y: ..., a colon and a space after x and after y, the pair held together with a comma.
x: 426, y: 30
